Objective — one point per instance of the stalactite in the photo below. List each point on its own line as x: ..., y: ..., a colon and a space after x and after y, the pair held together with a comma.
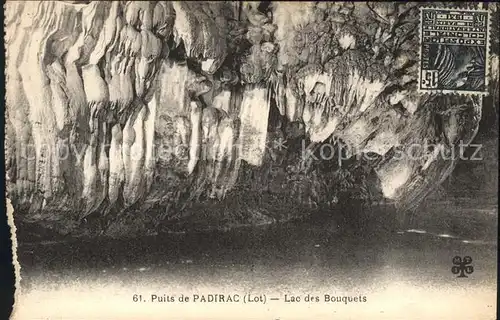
x: 141, y: 123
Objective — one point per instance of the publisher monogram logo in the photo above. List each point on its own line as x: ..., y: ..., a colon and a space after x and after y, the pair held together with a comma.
x: 462, y: 266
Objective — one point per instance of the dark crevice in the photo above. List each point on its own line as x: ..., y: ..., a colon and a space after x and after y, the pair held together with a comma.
x: 177, y: 50
x: 264, y: 6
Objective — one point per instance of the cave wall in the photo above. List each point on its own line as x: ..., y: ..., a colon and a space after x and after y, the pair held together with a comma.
x: 128, y: 106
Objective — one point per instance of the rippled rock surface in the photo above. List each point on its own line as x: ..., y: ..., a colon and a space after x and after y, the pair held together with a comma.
x: 141, y: 110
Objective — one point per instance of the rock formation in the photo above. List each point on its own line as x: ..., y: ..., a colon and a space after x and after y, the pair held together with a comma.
x: 145, y: 106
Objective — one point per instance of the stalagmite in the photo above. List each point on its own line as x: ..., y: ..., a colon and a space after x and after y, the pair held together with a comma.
x: 15, y: 101
x: 59, y: 107
x: 196, y: 133
x: 116, y: 164
x: 225, y: 153
x: 173, y: 96
x: 59, y: 98
x: 253, y: 133
x: 134, y: 175
x: 210, y: 121
x: 294, y: 109
x: 36, y: 83
x: 183, y: 128
x: 279, y: 92
x: 90, y: 174
x: 149, y: 136
x: 128, y: 141
x: 102, y: 166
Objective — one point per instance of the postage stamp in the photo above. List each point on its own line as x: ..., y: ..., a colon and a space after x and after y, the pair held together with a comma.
x: 454, y: 51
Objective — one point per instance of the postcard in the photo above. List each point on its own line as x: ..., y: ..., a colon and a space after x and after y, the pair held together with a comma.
x: 252, y: 160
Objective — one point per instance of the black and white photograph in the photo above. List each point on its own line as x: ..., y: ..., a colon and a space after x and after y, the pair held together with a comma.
x: 260, y: 160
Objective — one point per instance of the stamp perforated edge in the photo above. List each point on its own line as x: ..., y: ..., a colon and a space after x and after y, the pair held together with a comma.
x: 487, y: 58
